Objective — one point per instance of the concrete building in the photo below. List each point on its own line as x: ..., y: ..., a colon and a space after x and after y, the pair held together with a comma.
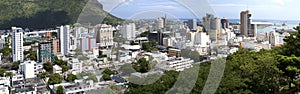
x: 128, y: 31
x: 76, y: 66
x: 160, y: 23
x: 174, y: 52
x: 179, y: 64
x: 64, y: 39
x: 17, y: 44
x: 276, y: 39
x: 57, y: 69
x: 104, y: 35
x: 5, y: 81
x: 192, y: 24
x: 167, y: 42
x: 202, y: 43
x: 247, y: 29
x: 211, y: 22
x: 56, y: 47
x: 45, y: 52
x: 87, y: 43
x: 4, y: 89
x: 28, y: 69
x: 224, y: 23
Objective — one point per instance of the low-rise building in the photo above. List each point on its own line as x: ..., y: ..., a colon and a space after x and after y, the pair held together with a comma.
x: 178, y: 64
x: 76, y: 66
x: 57, y: 69
x: 4, y: 89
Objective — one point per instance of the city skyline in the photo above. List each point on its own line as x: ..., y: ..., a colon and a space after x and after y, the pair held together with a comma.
x: 274, y: 10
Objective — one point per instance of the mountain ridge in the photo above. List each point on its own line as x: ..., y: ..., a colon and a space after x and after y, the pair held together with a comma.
x: 43, y: 14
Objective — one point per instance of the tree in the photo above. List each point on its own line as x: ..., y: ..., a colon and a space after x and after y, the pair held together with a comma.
x: 142, y: 65
x: 48, y: 67
x: 2, y: 72
x: 149, y: 46
x: 290, y: 65
x: 108, y: 71
x: 106, y: 77
x: 60, y: 90
x: 65, y: 68
x: 292, y: 44
x: 71, y: 77
x: 43, y: 75
x: 15, y: 65
x: 55, y: 79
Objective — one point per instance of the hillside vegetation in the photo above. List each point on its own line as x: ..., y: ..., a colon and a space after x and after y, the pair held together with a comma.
x: 40, y: 14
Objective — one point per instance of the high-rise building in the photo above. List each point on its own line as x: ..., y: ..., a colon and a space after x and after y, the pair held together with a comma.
x: 192, y: 24
x: 64, y: 39
x: 104, y: 35
x: 224, y: 23
x: 55, y: 46
x: 88, y: 43
x: 17, y: 44
x: 160, y: 23
x: 211, y: 22
x: 28, y: 69
x: 247, y: 29
x: 45, y: 51
x: 128, y: 31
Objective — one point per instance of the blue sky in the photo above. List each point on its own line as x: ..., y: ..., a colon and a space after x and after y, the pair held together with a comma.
x: 261, y: 9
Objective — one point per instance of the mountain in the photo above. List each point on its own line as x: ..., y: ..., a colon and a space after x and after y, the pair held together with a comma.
x: 42, y: 14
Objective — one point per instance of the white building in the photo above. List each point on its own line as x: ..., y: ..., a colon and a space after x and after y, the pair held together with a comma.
x: 57, y: 69
x: 4, y: 89
x: 167, y: 42
x: 104, y: 35
x: 5, y: 81
x: 64, y: 36
x: 17, y: 44
x: 28, y: 69
x: 276, y: 39
x: 76, y: 66
x: 179, y: 64
x: 128, y: 31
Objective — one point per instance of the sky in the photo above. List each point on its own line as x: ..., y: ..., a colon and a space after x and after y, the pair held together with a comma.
x: 260, y: 9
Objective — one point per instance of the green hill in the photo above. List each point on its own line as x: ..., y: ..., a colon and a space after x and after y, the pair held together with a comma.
x: 41, y: 14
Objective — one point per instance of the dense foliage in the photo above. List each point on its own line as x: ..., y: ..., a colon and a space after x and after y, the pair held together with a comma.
x: 40, y: 14
x: 55, y: 79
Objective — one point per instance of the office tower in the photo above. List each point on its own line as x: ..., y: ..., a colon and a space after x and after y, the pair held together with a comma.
x: 160, y: 23
x: 128, y: 31
x: 247, y: 29
x: 64, y: 39
x: 211, y: 22
x: 192, y: 24
x: 104, y: 35
x: 224, y: 23
x: 17, y: 44
x: 212, y: 25
x: 45, y: 51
